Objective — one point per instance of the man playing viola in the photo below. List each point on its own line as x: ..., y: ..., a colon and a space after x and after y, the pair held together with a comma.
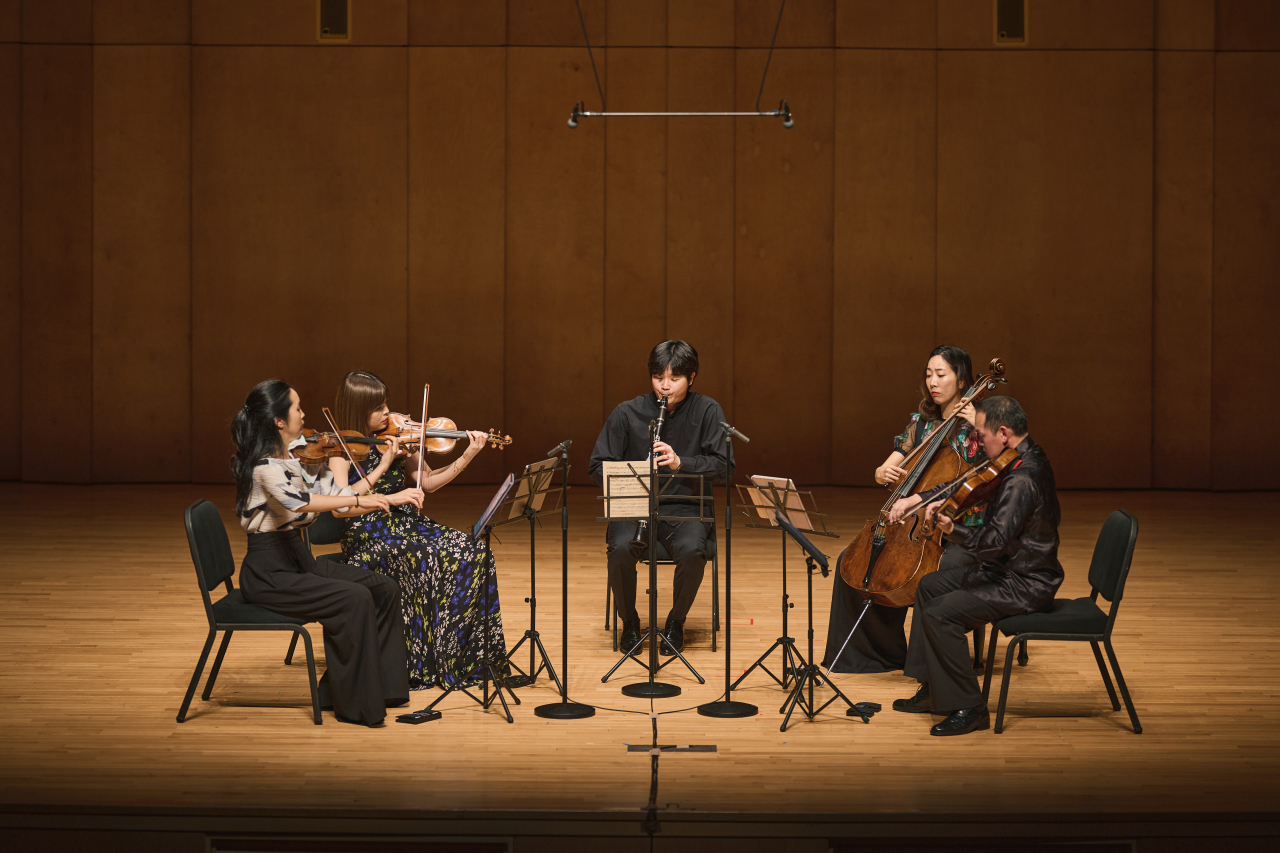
x: 692, y: 442
x: 1017, y: 545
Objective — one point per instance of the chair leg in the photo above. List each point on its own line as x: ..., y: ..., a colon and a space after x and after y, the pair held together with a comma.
x: 1004, y: 683
x: 217, y: 665
x: 990, y: 662
x: 614, y: 614
x: 1022, y: 654
x: 195, y: 677
x: 979, y: 639
x: 1124, y: 690
x: 311, y: 672
x: 715, y: 599
x: 608, y: 605
x: 293, y: 644
x: 1106, y: 677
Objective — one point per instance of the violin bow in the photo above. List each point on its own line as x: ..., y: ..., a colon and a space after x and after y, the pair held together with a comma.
x: 422, y: 443
x: 334, y: 426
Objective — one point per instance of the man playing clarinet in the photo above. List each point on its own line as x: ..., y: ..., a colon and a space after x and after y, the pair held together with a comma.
x: 691, y: 442
x: 1017, y: 545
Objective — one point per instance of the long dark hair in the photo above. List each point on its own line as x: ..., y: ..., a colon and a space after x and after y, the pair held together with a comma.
x: 255, y: 434
x: 958, y: 360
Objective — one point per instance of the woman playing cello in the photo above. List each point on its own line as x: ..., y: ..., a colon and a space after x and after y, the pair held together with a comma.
x: 880, y: 643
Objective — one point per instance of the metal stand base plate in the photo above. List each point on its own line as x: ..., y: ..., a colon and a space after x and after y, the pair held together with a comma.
x: 728, y: 709
x: 651, y: 690
x: 564, y: 711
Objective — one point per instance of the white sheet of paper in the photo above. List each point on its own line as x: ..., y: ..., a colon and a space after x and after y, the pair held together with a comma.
x: 628, y: 497
x: 763, y: 499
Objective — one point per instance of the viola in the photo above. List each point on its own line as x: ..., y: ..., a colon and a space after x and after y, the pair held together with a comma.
x: 321, y: 446
x: 974, y: 487
x: 440, y: 435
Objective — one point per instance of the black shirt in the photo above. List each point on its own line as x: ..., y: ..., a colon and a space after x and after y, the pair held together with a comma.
x: 693, y: 430
x: 1018, y: 540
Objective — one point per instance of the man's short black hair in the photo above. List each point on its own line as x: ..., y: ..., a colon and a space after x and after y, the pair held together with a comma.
x: 1004, y: 411
x: 678, y: 355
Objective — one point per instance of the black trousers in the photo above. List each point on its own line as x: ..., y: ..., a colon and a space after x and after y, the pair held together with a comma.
x: 685, y: 541
x: 938, y: 654
x: 880, y: 643
x: 359, y: 611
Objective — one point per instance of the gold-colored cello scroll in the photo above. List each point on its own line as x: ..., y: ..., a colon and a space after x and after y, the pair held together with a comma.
x: 886, y: 561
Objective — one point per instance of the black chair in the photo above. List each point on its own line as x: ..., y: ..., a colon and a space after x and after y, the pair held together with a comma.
x: 1079, y: 619
x: 211, y: 554
x: 665, y: 559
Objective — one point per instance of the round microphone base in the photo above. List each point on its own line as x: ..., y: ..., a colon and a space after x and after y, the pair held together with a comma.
x: 651, y: 690
x: 728, y: 710
x: 564, y: 711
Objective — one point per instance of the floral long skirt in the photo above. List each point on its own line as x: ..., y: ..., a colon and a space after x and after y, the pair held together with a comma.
x: 443, y: 576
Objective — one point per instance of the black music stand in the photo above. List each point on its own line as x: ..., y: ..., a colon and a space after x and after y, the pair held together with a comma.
x: 653, y: 689
x: 726, y: 707
x: 526, y: 502
x: 766, y: 499
x: 809, y: 674
x: 564, y: 709
x: 489, y: 668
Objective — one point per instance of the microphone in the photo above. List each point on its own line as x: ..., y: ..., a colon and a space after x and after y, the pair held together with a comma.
x: 733, y: 432
x: 562, y: 447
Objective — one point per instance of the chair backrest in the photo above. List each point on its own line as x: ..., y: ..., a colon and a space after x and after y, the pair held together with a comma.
x: 325, y: 530
x: 1112, y: 555
x: 210, y: 547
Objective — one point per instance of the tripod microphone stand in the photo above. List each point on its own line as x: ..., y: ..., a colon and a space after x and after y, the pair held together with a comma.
x: 727, y: 708
x: 809, y: 675
x: 564, y: 709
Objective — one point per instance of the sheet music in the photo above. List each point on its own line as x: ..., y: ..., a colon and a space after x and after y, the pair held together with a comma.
x: 763, y: 498
x: 627, y: 496
x: 541, y: 478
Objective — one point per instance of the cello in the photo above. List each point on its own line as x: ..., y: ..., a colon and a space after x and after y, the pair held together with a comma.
x: 886, y: 561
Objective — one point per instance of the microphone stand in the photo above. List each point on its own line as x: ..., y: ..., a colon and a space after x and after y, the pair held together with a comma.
x: 564, y: 709
x: 727, y: 708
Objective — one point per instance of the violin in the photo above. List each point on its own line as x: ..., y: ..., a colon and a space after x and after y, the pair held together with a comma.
x: 440, y: 435
x: 322, y: 446
x: 973, y: 488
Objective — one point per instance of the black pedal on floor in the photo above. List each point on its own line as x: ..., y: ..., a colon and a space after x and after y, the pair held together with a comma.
x: 418, y: 717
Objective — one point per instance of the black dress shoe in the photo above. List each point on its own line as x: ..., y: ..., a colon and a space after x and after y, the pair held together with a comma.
x: 963, y: 721
x: 630, y: 635
x: 672, y: 637
x: 917, y: 704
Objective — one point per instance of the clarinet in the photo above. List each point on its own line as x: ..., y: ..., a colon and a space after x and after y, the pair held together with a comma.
x: 642, y: 529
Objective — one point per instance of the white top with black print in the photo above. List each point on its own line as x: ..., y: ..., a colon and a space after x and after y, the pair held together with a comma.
x: 281, y: 487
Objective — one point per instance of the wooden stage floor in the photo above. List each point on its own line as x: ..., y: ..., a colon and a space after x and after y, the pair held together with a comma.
x: 100, y: 626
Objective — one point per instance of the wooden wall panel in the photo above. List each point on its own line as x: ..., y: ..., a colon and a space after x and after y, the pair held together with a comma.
x: 457, y: 207
x: 1184, y: 24
x: 293, y: 22
x: 901, y: 24
x: 1183, y: 294
x: 299, y: 195
x: 142, y: 263
x: 555, y: 256
x: 1044, y: 233
x: 636, y: 302
x: 535, y: 22
x: 640, y: 23
x: 60, y: 21
x: 883, y: 302
x: 700, y: 212
x: 11, y: 257
x: 782, y: 296
x: 1246, y: 256
x: 11, y: 21
x: 1052, y: 24
x: 805, y: 23
x: 142, y: 21
x: 448, y: 22
x: 1248, y: 24
x: 57, y: 253
x: 707, y: 23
